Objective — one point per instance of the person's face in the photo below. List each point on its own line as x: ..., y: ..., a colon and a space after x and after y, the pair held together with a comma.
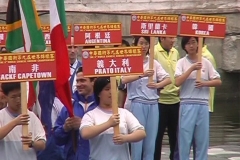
x: 167, y: 42
x: 14, y: 100
x: 84, y: 85
x: 105, y: 95
x: 72, y: 52
x: 191, y: 46
x: 144, y: 44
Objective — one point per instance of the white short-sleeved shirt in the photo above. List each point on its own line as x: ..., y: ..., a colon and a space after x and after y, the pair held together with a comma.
x: 188, y: 91
x: 11, y: 145
x: 102, y: 146
x: 139, y: 90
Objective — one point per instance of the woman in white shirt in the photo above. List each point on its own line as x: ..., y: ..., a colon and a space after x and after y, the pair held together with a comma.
x: 97, y: 126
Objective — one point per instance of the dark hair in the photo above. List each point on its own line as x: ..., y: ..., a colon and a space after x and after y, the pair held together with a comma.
x: 88, y: 47
x: 126, y: 43
x: 10, y: 86
x: 185, y: 40
x: 80, y: 69
x: 4, y: 50
x: 99, y: 84
x: 203, y: 41
x: 136, y: 39
x: 70, y: 46
x: 159, y: 39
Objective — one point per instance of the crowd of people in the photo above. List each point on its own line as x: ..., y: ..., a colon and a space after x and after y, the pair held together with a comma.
x: 175, y: 102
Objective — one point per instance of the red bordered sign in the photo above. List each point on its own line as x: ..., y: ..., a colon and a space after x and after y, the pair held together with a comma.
x: 201, y: 25
x: 3, y: 35
x: 154, y: 25
x: 46, y: 33
x: 112, y: 61
x: 19, y: 67
x: 96, y: 34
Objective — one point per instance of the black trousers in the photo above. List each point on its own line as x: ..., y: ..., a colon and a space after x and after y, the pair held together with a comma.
x: 168, y: 119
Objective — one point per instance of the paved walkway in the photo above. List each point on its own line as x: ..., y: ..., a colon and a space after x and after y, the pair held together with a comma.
x: 225, y: 152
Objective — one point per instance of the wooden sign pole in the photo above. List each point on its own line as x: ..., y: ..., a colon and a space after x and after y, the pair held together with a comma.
x: 24, y: 110
x: 113, y: 83
x: 151, y: 57
x: 114, y: 101
x: 200, y: 45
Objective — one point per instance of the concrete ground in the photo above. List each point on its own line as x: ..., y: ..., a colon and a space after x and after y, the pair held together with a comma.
x: 225, y: 152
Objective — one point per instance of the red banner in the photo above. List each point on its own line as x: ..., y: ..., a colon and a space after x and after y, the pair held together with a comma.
x: 3, y: 35
x: 154, y: 25
x: 112, y: 61
x: 46, y: 33
x: 97, y: 34
x: 201, y: 25
x: 19, y: 67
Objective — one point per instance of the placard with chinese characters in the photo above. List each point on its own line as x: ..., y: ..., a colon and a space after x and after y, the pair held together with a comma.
x: 3, y: 35
x: 96, y: 34
x: 46, y: 34
x: 112, y: 61
x: 201, y: 25
x: 154, y: 25
x: 20, y: 67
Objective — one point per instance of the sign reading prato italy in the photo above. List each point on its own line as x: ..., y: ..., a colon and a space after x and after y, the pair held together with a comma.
x: 97, y: 34
x: 202, y: 26
x: 20, y: 67
x: 112, y: 61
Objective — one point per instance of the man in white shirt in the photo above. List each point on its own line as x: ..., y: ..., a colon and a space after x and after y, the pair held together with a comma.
x: 11, y: 120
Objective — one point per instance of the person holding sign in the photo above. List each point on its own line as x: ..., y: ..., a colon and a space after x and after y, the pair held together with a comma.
x: 169, y: 100
x: 65, y: 125
x: 11, y: 121
x: 144, y: 100
x: 97, y: 126
x: 194, y: 96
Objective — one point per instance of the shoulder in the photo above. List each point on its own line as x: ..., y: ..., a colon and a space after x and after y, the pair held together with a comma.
x: 181, y: 60
x: 33, y: 116
x: 124, y: 111
x: 206, y: 61
x: 174, y: 50
x: 93, y: 111
x: 79, y: 62
x: 156, y: 62
x: 3, y: 113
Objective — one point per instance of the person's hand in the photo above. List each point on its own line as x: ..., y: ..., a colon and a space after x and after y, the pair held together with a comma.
x: 196, y: 66
x: 199, y: 84
x: 68, y: 125
x: 22, y: 119
x: 152, y: 85
x: 27, y: 140
x: 76, y: 122
x: 148, y: 73
x: 114, y: 120
x: 119, y: 139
